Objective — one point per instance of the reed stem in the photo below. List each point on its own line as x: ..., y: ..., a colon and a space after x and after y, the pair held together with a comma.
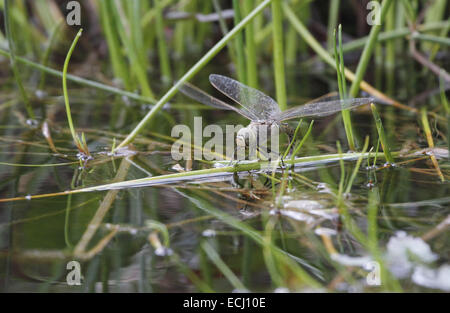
x: 250, y: 45
x: 239, y: 45
x: 278, y: 54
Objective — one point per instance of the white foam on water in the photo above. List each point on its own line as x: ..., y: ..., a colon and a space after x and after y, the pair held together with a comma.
x: 400, y: 250
x: 433, y: 278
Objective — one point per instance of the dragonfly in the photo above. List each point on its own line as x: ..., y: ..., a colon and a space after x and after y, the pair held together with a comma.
x: 262, y: 110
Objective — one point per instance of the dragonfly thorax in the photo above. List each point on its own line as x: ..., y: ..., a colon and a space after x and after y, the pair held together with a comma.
x: 257, y: 132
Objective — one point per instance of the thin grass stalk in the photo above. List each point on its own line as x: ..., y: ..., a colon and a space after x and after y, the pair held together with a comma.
x: 224, y: 29
x: 443, y: 34
x: 203, y: 30
x: 446, y: 106
x: 356, y: 168
x: 368, y: 49
x: 333, y: 15
x: 435, y: 12
x: 67, y: 215
x: 382, y: 134
x: 192, y: 71
x: 429, y: 136
x: 432, y: 38
x: 27, y: 35
x: 80, y: 80
x: 348, y: 221
x: 246, y: 267
x: 9, y: 35
x: 299, y: 146
x: 389, y: 282
x: 224, y: 269
x: 192, y: 276
x: 340, y: 69
x: 269, y: 258
x: 278, y: 54
x: 118, y: 63
x: 291, y: 46
x: 250, y: 45
x: 134, y: 11
x: 163, y: 55
x: 76, y: 140
x: 46, y: 56
x: 239, y: 45
x: 397, y: 33
x: 47, y: 15
x: 339, y: 201
x: 389, y: 63
x: 293, y: 139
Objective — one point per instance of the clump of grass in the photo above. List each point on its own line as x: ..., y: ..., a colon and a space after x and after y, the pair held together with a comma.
x: 340, y: 70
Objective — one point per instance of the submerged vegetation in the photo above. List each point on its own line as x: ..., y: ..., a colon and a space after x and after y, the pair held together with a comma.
x: 358, y: 202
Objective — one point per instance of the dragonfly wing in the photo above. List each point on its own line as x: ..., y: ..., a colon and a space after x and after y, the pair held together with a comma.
x: 199, y: 95
x: 322, y: 108
x: 256, y: 103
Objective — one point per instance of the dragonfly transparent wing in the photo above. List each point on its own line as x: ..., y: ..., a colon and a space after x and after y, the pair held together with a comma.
x: 322, y: 108
x: 199, y: 95
x: 253, y: 101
